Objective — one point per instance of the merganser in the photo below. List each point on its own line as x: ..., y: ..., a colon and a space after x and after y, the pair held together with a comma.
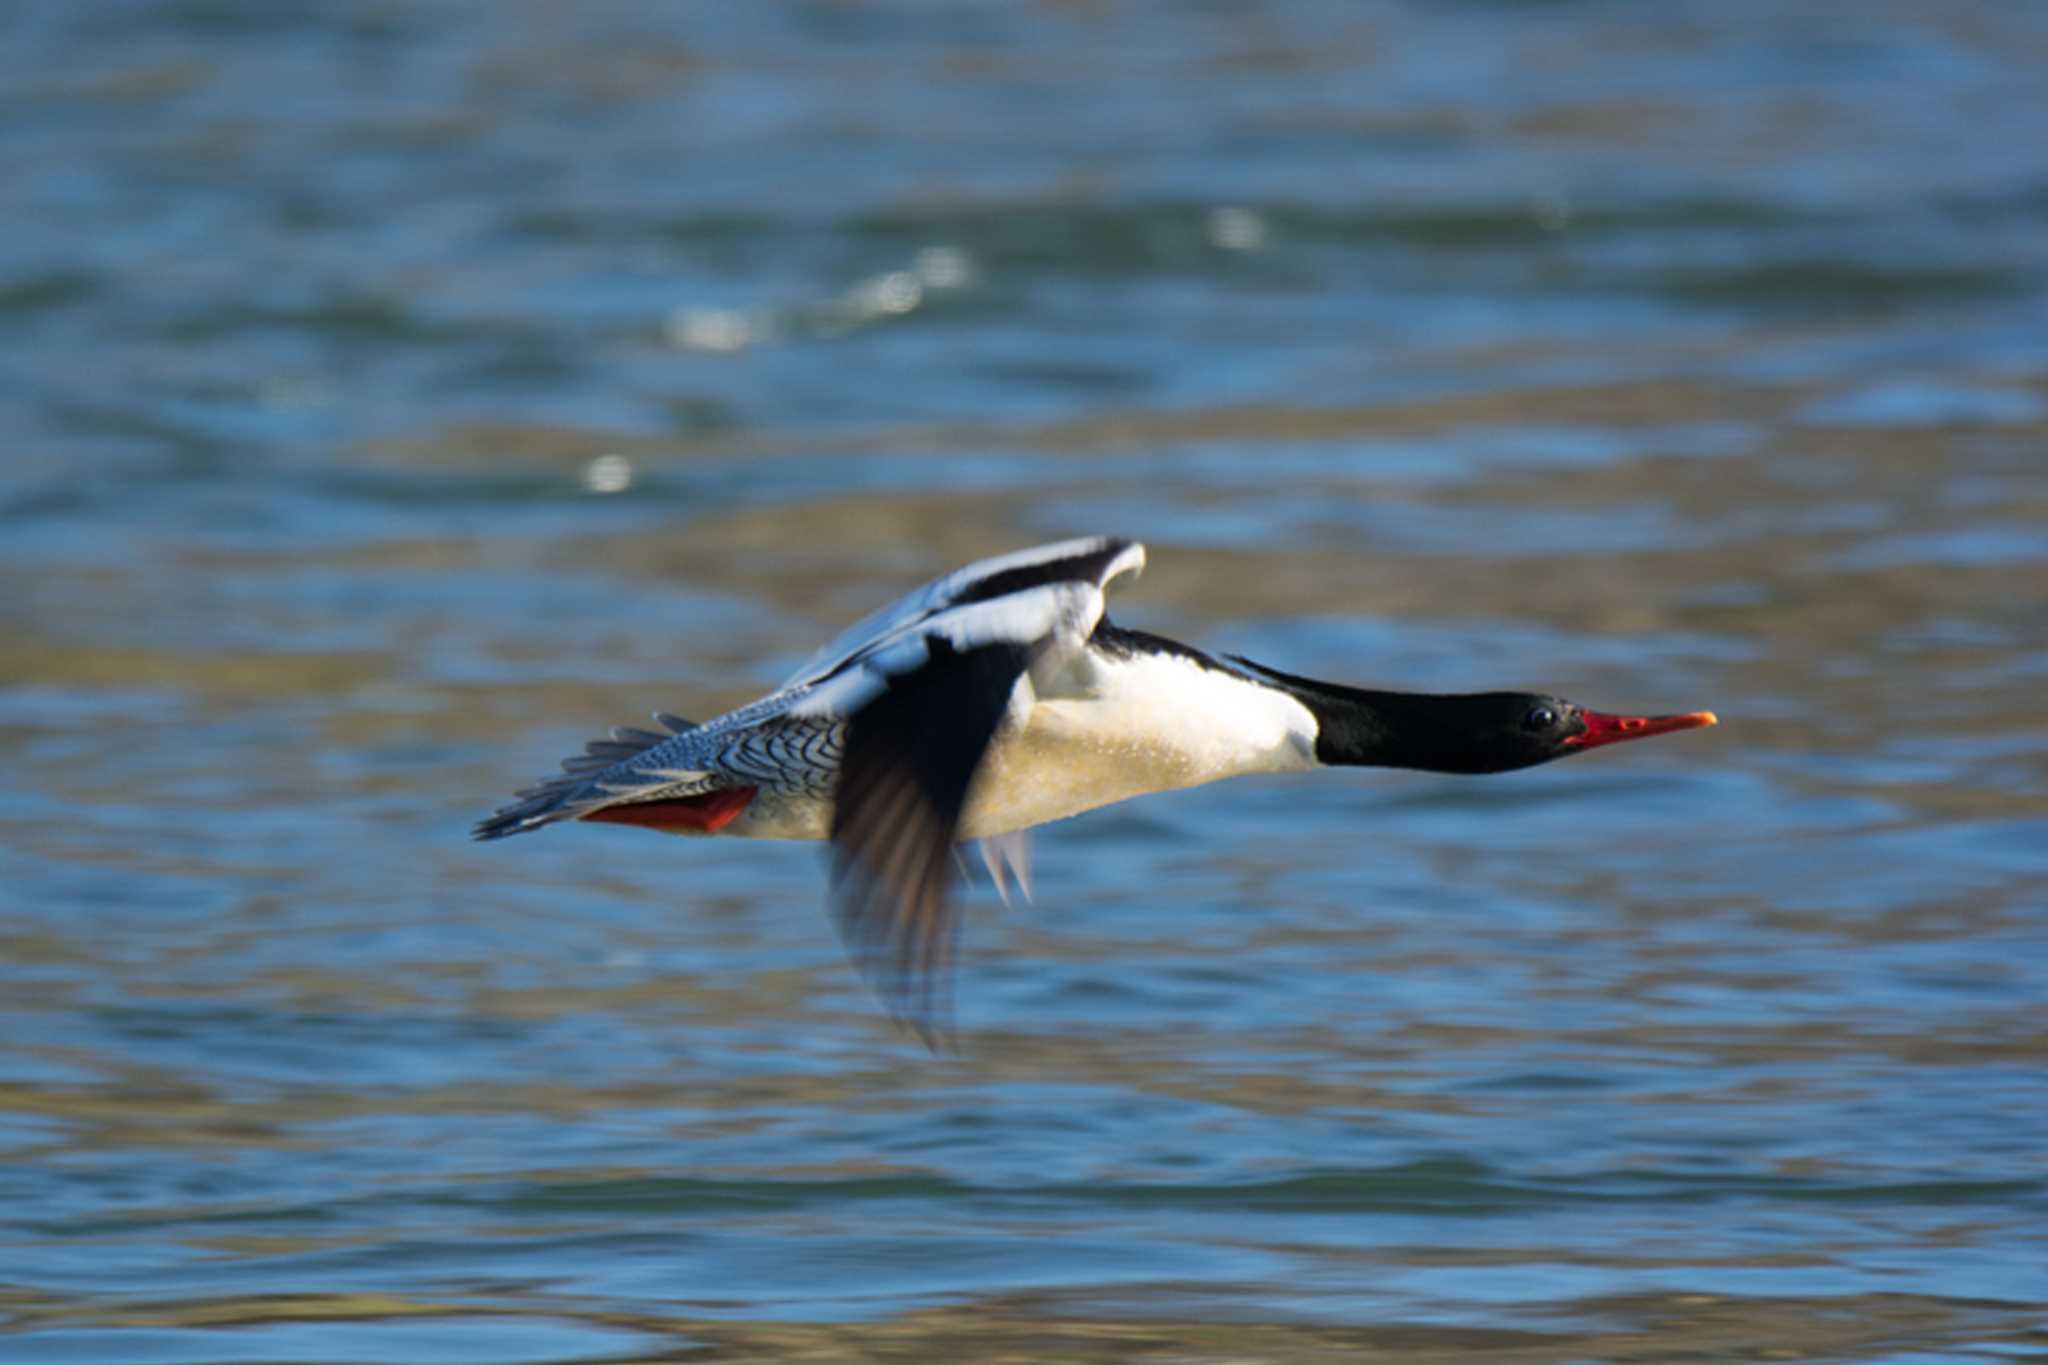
x: 998, y: 698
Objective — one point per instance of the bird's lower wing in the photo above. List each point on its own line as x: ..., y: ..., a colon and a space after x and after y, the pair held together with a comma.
x: 911, y: 755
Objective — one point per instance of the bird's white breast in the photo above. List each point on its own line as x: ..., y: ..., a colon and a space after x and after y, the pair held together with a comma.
x: 1108, y: 729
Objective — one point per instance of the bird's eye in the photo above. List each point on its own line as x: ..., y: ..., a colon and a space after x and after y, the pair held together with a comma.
x: 1539, y: 718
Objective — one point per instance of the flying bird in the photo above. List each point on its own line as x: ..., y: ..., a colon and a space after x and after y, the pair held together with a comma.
x: 998, y: 698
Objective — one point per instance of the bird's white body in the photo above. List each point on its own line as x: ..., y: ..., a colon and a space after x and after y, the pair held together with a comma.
x: 1100, y: 729
x: 1127, y: 726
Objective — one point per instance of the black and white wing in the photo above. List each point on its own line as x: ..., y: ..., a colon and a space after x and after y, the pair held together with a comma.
x: 925, y: 690
x: 787, y: 735
x: 1093, y: 560
x: 907, y: 701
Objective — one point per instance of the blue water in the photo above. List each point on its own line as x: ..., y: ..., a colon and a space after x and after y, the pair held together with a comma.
x: 395, y: 396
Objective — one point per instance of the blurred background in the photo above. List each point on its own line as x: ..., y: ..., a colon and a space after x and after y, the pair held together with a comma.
x: 394, y: 395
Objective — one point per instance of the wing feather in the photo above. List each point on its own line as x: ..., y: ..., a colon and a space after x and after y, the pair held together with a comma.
x: 911, y: 756
x: 1093, y: 561
x: 918, y: 690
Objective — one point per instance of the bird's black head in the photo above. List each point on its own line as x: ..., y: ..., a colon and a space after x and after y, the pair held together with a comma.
x: 1485, y: 732
x: 1470, y: 732
x: 1482, y: 732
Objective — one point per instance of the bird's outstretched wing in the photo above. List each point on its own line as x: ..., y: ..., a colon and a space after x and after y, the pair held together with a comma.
x: 1088, y: 563
x: 925, y: 694
x: 920, y: 690
x: 911, y: 755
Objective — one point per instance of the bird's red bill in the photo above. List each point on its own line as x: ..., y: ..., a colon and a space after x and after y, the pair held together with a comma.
x: 1602, y: 728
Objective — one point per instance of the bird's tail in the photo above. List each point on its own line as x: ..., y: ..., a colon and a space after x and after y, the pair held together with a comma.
x: 603, y: 774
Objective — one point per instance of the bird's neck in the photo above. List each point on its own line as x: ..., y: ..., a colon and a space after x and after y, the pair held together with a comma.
x: 1359, y: 727
x: 1426, y: 731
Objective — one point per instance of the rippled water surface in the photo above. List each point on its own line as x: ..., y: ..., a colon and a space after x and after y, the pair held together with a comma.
x: 394, y: 395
